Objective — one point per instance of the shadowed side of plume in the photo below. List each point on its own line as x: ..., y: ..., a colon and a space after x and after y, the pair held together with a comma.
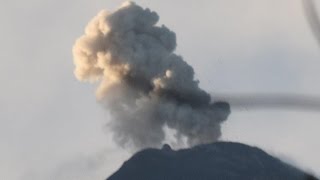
x: 221, y: 161
x: 270, y: 101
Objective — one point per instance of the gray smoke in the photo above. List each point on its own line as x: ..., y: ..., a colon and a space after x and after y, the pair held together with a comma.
x: 143, y: 83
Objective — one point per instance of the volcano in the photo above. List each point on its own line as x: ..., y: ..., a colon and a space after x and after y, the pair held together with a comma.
x: 216, y: 161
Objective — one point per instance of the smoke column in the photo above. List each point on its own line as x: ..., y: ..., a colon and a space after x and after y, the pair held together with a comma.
x: 144, y: 85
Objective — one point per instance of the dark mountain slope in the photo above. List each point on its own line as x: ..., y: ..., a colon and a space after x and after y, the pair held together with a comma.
x: 217, y: 161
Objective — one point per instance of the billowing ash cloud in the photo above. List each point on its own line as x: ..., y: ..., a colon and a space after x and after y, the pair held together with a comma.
x: 143, y: 83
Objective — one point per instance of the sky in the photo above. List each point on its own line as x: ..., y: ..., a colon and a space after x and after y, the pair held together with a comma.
x: 51, y: 126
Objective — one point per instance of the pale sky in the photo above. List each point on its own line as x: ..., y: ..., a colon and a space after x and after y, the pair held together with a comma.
x: 52, y: 128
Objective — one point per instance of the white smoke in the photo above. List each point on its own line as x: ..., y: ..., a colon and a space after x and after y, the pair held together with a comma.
x: 143, y: 83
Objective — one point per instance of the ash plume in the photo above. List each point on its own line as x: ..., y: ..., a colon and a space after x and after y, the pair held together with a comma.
x: 144, y: 85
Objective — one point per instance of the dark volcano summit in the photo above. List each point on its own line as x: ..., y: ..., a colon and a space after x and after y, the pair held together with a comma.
x: 217, y: 161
